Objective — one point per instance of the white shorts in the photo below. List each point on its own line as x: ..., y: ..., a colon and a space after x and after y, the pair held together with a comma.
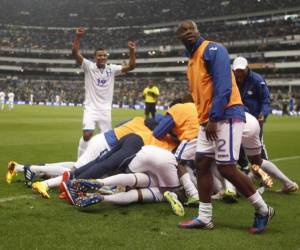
x: 186, y: 150
x: 97, y: 118
x: 250, y: 139
x: 158, y: 163
x: 227, y: 147
x: 97, y: 146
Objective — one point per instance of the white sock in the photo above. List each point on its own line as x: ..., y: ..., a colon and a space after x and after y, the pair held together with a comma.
x: 274, y: 171
x: 127, y: 180
x: 81, y: 147
x: 188, y: 186
x: 122, y: 198
x: 53, y: 182
x: 259, y: 204
x: 19, y: 168
x: 205, y: 212
x: 52, y: 169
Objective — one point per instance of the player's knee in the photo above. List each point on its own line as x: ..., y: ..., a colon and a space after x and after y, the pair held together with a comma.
x: 227, y: 171
x: 87, y: 135
x: 255, y: 159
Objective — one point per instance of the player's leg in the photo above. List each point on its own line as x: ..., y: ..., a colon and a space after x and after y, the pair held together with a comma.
x: 104, y: 120
x: 147, y: 110
x: 153, y: 110
x: 229, y: 147
x: 116, y: 159
x: 144, y: 195
x: 203, y: 161
x: 252, y: 146
x: 264, y: 153
x: 97, y: 146
x: 189, y: 187
x: 87, y: 131
x: 140, y: 180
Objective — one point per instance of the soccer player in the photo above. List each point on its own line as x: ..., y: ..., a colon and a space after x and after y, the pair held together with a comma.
x: 2, y: 99
x: 181, y: 120
x: 221, y: 117
x: 150, y: 94
x: 99, y: 80
x: 255, y: 96
x: 99, y: 145
x: 11, y: 97
x: 153, y: 173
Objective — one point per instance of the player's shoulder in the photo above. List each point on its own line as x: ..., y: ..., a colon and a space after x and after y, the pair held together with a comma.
x: 214, y: 48
x: 257, y: 78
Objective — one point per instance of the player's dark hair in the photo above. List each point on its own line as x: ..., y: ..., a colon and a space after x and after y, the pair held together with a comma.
x: 187, y: 98
x: 175, y: 101
x: 98, y: 49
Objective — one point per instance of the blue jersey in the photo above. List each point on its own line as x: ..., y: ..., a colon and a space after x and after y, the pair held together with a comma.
x: 255, y: 95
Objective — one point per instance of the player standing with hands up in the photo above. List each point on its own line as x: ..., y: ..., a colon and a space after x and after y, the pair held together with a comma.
x: 99, y: 78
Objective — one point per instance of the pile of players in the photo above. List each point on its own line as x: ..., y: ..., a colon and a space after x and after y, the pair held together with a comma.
x: 197, y: 143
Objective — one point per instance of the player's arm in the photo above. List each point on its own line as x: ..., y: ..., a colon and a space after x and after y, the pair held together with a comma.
x: 131, y: 64
x: 165, y: 126
x: 218, y: 62
x: 76, y: 46
x: 264, y: 101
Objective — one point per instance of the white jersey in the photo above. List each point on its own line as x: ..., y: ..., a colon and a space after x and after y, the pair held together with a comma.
x: 2, y: 96
x: 99, y: 84
x: 11, y: 96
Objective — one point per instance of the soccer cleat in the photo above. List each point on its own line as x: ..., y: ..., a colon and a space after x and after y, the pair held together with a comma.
x: 88, y: 200
x: 71, y: 192
x: 11, y: 171
x: 289, y: 189
x: 86, y: 185
x: 62, y: 196
x: 229, y: 196
x: 174, y: 202
x: 266, y: 179
x: 41, y: 188
x: 28, y: 175
x: 196, y: 223
x: 65, y: 177
x: 192, y: 201
x: 261, y: 221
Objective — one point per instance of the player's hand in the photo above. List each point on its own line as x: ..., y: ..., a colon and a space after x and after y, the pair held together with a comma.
x: 131, y: 46
x: 80, y: 31
x: 261, y: 119
x: 211, y: 131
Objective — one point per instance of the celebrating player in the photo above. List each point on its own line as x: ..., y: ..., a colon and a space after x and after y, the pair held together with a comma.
x: 221, y: 117
x: 99, y: 80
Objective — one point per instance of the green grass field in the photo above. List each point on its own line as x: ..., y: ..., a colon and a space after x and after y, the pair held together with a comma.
x: 33, y: 134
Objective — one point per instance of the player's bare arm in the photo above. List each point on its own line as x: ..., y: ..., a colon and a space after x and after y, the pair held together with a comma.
x: 131, y: 64
x: 76, y: 45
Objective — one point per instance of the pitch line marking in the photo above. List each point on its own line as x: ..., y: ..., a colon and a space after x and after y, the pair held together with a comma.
x: 6, y: 199
x: 286, y: 158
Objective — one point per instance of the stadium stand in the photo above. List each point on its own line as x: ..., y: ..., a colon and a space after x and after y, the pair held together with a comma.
x: 35, y: 47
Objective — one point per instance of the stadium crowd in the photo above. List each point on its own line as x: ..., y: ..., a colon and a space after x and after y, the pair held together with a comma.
x: 120, y: 13
x: 128, y: 92
x: 44, y: 38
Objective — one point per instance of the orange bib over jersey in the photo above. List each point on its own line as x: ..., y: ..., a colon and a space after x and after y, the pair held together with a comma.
x: 201, y: 85
x: 165, y: 143
x: 185, y: 117
x: 134, y: 125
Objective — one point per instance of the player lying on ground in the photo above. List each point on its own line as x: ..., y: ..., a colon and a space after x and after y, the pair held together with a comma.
x: 98, y: 146
x: 153, y: 172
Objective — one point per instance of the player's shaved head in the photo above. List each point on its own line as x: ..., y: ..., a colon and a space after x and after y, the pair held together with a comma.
x: 188, y: 33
